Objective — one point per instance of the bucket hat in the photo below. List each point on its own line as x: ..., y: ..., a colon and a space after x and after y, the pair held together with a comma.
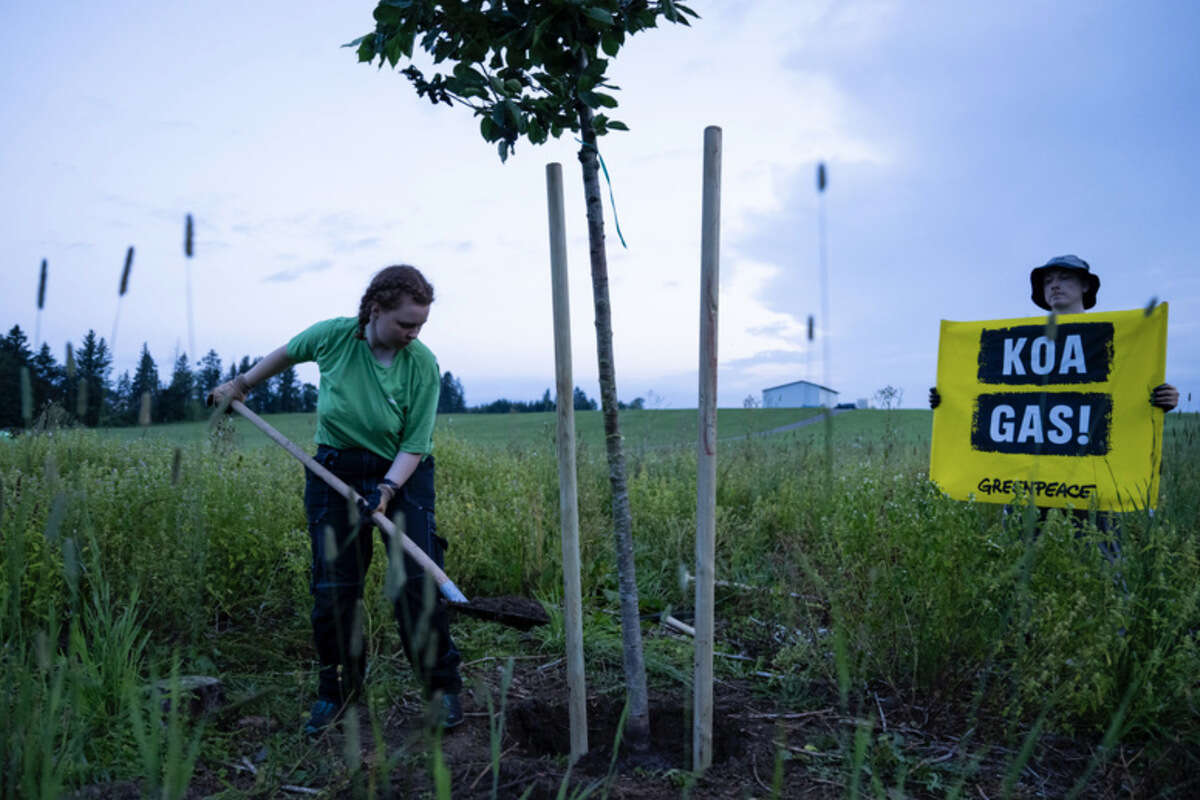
x: 1091, y: 283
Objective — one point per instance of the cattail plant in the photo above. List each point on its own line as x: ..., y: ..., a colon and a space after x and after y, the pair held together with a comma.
x: 124, y: 287
x: 187, y: 251
x: 827, y: 329
x: 41, y: 303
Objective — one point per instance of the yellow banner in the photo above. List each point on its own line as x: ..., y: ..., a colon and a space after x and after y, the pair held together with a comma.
x: 1057, y: 411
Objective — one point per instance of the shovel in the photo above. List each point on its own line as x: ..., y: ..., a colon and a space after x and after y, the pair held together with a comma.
x: 516, y: 612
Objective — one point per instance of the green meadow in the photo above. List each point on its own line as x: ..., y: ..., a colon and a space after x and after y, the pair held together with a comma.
x: 962, y: 651
x: 640, y: 428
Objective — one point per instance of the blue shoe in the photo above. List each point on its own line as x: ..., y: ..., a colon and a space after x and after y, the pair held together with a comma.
x: 449, y: 711
x: 324, y: 714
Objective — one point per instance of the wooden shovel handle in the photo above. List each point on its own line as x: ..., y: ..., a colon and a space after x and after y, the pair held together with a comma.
x: 445, y: 585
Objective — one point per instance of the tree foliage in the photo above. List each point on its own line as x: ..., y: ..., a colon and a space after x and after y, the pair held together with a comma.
x: 451, y: 399
x: 521, y: 66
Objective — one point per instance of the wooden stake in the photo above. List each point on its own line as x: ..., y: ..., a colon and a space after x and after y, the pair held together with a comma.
x: 706, y: 460
x: 568, y: 496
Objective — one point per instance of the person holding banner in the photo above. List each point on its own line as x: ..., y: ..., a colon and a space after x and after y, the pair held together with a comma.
x: 1067, y: 285
x: 1028, y: 407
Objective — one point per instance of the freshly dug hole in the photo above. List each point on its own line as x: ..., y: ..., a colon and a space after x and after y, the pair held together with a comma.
x: 542, y: 727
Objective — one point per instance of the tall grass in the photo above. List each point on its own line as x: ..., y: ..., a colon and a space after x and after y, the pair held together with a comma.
x: 118, y: 553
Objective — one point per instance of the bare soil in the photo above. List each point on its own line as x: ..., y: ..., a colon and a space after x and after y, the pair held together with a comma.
x: 760, y: 750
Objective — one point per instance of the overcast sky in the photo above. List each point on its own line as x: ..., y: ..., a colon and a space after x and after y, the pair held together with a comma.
x: 966, y: 142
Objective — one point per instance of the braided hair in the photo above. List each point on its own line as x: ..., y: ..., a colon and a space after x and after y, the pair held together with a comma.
x: 388, y: 288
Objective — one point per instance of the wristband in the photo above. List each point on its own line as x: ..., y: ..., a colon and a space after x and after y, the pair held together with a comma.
x: 395, y: 487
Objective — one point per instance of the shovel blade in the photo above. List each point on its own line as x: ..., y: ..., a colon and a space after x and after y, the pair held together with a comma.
x: 515, y: 612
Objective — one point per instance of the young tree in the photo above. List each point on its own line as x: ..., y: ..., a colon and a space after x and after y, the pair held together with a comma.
x: 536, y: 70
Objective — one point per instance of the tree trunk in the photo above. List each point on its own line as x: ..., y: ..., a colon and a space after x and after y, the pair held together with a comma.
x: 637, y: 729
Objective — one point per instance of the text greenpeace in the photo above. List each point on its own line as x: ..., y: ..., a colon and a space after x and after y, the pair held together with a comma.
x: 1077, y: 352
x: 1037, y: 489
x: 1042, y: 423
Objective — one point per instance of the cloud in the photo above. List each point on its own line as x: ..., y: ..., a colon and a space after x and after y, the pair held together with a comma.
x: 462, y: 246
x: 789, y: 357
x: 358, y: 244
x: 288, y: 275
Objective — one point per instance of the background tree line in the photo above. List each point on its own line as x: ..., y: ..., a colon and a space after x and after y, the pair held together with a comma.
x: 84, y: 388
x: 451, y: 401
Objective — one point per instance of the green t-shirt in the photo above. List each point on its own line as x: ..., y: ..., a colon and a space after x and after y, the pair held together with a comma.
x: 364, y: 404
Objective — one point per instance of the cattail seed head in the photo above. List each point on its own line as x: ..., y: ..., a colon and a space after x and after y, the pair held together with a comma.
x: 1150, y: 306
x: 125, y: 272
x: 42, y: 287
x: 187, y: 236
x: 811, y: 327
x: 821, y: 177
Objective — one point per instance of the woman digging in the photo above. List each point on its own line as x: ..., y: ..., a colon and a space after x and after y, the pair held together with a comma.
x: 375, y: 415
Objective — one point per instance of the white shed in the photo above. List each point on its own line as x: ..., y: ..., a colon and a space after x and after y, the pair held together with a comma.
x: 798, y: 394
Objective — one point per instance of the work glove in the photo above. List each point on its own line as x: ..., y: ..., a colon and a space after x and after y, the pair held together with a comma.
x: 227, y: 392
x: 1165, y: 396
x: 935, y: 397
x: 377, y: 500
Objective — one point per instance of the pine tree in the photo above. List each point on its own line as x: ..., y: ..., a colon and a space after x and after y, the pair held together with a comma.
x: 176, y: 402
x: 308, y: 398
x: 208, y: 375
x: 451, y: 400
x: 145, y: 382
x: 15, y: 355
x: 581, y: 402
x: 122, y: 406
x: 287, y: 397
x: 47, y: 379
x: 93, y: 363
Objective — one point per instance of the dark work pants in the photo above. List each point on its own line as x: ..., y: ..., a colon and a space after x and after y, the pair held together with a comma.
x: 341, y: 555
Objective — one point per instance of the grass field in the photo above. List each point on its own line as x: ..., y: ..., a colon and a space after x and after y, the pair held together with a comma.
x: 896, y: 643
x: 641, y: 428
